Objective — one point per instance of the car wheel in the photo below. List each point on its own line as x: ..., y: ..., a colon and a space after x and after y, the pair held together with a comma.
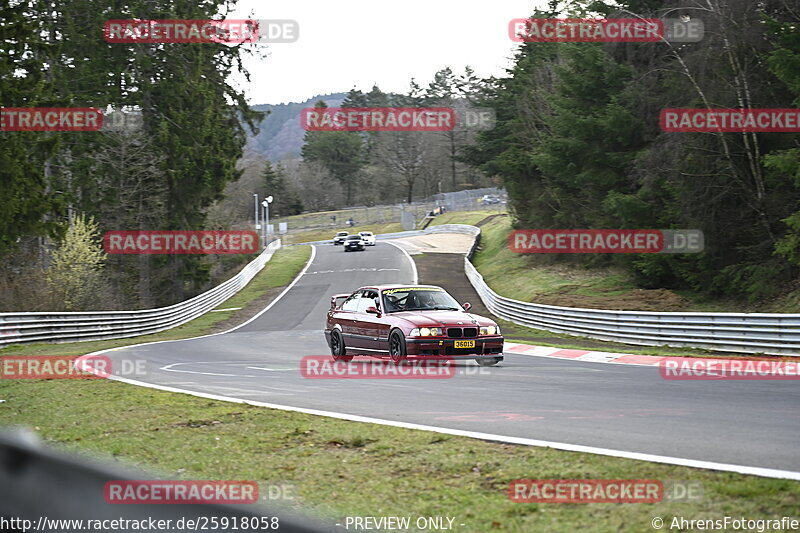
x: 338, y: 350
x: 397, y: 347
x: 487, y: 361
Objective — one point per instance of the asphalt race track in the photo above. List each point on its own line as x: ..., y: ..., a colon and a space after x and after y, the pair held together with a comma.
x: 617, y: 407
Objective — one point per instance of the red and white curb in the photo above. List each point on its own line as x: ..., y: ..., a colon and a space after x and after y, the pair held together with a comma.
x: 624, y: 358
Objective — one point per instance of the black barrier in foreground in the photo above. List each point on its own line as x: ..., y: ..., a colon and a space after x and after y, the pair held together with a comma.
x: 39, y: 485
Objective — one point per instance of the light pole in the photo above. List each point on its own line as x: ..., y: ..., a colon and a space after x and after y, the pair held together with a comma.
x: 255, y: 209
x: 265, y: 203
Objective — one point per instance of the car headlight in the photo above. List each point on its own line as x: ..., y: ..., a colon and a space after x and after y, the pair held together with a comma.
x: 426, y: 332
x: 490, y: 330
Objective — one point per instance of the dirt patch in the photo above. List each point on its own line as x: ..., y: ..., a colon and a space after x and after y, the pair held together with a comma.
x: 490, y: 218
x: 437, y: 243
x: 662, y: 300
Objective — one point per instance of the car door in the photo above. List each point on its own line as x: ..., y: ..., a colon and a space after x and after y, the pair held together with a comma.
x: 347, y: 318
x: 369, y: 323
x: 381, y: 327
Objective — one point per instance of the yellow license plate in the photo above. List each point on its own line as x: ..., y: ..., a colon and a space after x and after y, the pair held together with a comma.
x: 464, y: 344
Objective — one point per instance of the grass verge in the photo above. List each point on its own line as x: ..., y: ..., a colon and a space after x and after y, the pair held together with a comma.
x: 463, y: 217
x: 340, y: 468
x: 538, y: 278
x: 327, y: 234
x: 453, y: 217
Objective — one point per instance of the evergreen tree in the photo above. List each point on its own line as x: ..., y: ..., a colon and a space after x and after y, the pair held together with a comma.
x: 286, y: 202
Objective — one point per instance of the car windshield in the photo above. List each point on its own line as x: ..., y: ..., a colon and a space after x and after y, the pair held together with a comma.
x: 418, y: 299
x: 354, y: 238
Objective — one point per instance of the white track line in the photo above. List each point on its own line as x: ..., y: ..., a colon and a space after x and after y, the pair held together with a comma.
x: 411, y: 261
x: 693, y: 463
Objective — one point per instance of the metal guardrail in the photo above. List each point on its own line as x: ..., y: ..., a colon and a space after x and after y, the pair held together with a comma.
x: 767, y: 333
x: 19, y: 328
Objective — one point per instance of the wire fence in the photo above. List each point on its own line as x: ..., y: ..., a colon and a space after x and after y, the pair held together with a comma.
x: 488, y: 199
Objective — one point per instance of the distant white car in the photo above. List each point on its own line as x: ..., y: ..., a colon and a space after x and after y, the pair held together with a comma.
x: 367, y: 237
x: 340, y: 237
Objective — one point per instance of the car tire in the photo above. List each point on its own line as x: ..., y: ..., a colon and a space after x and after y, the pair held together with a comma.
x: 487, y: 361
x: 338, y: 349
x: 397, y: 347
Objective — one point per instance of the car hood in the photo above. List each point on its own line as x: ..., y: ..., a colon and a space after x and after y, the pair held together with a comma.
x: 436, y: 318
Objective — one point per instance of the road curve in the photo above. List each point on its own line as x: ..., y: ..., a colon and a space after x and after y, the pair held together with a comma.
x: 614, y: 407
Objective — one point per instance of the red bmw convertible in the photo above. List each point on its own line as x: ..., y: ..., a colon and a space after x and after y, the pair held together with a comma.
x: 416, y: 321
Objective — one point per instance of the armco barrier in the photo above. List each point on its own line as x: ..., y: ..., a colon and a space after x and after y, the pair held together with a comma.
x: 19, y: 328
x: 767, y: 333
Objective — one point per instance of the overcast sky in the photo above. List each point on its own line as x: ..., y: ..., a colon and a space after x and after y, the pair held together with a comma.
x: 358, y: 43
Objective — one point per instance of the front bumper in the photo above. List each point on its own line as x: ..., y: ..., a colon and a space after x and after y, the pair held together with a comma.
x: 488, y: 346
x: 485, y: 347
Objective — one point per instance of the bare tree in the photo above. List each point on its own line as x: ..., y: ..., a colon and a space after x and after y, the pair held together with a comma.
x: 405, y: 155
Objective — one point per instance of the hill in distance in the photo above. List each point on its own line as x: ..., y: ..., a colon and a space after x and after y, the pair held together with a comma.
x: 281, y: 135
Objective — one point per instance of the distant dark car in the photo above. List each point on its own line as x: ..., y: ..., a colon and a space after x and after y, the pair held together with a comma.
x: 354, y: 242
x: 399, y: 321
x: 340, y: 237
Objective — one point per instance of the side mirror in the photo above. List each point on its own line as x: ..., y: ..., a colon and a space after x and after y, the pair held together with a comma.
x: 372, y: 310
x: 466, y: 306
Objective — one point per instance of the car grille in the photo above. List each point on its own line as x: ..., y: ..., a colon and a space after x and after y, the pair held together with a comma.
x: 458, y: 333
